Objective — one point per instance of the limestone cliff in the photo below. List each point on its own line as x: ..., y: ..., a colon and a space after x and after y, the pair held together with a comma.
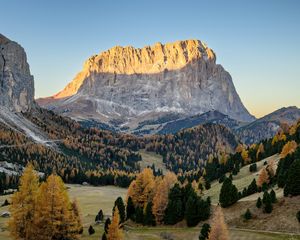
x: 16, y: 82
x: 127, y: 85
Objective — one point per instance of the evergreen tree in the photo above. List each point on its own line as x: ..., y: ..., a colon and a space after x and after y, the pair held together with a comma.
x: 23, y: 206
x: 121, y: 207
x: 228, y: 193
x: 292, y: 186
x: 130, y: 210
x: 252, y: 188
x: 174, y: 212
x: 298, y: 216
x: 248, y: 214
x: 149, y: 218
x: 106, y: 225
x: 191, y: 214
x: 99, y: 216
x: 273, y: 196
x: 204, y: 231
x: 91, y: 230
x: 267, y: 202
x: 114, y: 230
x: 139, y: 215
x: 258, y: 203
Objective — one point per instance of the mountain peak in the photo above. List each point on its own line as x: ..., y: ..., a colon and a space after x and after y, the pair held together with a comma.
x: 128, y: 85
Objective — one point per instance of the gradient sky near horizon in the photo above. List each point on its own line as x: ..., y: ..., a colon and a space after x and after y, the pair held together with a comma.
x: 257, y: 42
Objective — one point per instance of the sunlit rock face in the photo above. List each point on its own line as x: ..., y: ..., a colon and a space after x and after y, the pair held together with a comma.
x: 16, y: 82
x: 127, y: 85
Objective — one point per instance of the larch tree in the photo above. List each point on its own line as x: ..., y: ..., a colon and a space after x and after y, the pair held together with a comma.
x: 23, y: 206
x: 141, y: 189
x: 288, y: 148
x: 263, y: 177
x: 160, y: 200
x: 55, y: 218
x: 114, y: 230
x: 219, y: 230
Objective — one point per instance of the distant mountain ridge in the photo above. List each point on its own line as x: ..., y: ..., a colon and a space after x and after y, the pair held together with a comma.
x: 125, y: 86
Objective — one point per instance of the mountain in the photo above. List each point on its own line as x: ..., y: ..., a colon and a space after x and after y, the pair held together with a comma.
x: 267, y: 126
x: 16, y: 82
x: 80, y: 153
x: 125, y: 86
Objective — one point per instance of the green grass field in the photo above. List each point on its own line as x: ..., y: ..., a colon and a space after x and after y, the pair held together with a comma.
x: 150, y: 158
x: 92, y: 199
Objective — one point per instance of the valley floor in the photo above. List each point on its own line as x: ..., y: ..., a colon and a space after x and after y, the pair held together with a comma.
x: 92, y: 199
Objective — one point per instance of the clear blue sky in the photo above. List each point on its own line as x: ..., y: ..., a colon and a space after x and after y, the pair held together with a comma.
x: 258, y: 42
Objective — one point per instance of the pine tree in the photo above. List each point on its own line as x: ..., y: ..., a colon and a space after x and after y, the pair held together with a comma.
x: 204, y: 231
x: 106, y: 225
x: 23, y: 206
x: 258, y: 203
x: 91, y: 230
x: 248, y: 214
x: 174, y: 211
x: 267, y: 202
x: 292, y: 186
x: 219, y: 230
x: 121, y: 207
x: 149, y: 218
x: 228, y: 193
x: 114, y: 230
x: 273, y: 196
x: 130, y: 210
x: 99, y: 217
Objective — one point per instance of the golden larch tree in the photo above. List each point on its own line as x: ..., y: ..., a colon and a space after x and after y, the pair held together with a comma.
x: 55, y: 218
x: 160, y: 200
x: 219, y: 229
x: 141, y: 189
x: 288, y: 148
x: 114, y: 230
x: 23, y: 206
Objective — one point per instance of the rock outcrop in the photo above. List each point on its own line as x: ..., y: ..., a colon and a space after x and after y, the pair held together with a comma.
x: 125, y: 86
x: 16, y: 82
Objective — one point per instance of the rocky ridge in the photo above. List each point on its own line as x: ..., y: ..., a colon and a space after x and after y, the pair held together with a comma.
x: 125, y: 86
x: 16, y: 82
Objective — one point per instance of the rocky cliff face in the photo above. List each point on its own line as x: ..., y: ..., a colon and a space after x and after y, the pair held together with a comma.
x: 125, y: 86
x: 16, y: 82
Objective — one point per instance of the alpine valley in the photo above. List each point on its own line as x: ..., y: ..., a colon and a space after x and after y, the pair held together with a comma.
x: 161, y: 127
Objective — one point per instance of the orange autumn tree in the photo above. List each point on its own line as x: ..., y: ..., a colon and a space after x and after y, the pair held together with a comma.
x: 141, y: 189
x: 114, y: 230
x: 23, y: 206
x: 263, y: 177
x: 219, y: 230
x: 56, y: 218
x: 160, y: 200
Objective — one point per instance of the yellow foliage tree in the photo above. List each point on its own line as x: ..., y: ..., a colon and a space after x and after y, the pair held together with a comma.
x: 260, y: 150
x: 245, y: 155
x: 141, y: 190
x: 55, y: 217
x: 288, y: 148
x: 23, y: 206
x: 160, y: 200
x: 114, y: 230
x: 219, y: 230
